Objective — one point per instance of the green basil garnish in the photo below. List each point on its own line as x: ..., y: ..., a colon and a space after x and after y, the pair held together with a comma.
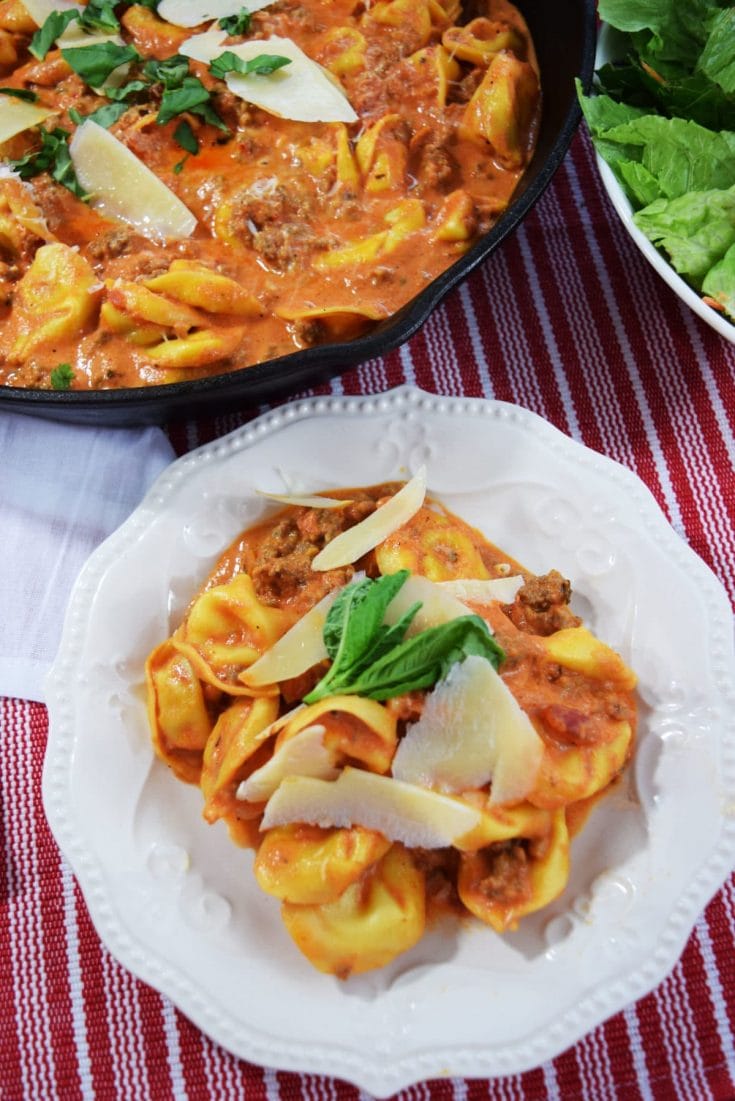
x: 262, y: 65
x: 372, y: 659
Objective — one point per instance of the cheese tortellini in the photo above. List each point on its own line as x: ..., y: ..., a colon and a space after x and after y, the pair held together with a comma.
x: 403, y: 837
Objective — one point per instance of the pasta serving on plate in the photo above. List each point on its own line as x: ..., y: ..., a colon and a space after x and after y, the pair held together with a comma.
x: 183, y: 194
x: 401, y: 720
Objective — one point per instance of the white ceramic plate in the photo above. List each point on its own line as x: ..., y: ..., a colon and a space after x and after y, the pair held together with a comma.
x: 175, y: 901
x: 606, y: 52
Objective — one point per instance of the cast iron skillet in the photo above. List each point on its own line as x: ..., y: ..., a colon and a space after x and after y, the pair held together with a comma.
x: 564, y: 35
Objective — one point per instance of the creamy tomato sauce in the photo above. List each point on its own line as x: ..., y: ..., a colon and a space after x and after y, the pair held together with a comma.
x: 326, y: 228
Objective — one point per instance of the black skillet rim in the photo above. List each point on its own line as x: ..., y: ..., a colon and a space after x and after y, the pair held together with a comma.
x: 299, y: 370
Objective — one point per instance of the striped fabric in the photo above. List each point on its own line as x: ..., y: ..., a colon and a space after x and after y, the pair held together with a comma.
x: 566, y: 320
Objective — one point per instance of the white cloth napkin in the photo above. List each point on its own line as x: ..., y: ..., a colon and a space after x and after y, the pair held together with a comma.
x: 63, y: 489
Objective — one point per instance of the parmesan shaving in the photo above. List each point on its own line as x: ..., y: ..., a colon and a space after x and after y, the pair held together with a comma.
x: 471, y: 730
x: 437, y: 605
x: 299, y: 649
x: 121, y: 186
x: 40, y: 10
x: 303, y: 755
x: 303, y: 90
x: 304, y: 500
x: 192, y: 13
x: 501, y: 589
x: 204, y: 47
x: 365, y: 536
x: 16, y: 116
x: 400, y: 811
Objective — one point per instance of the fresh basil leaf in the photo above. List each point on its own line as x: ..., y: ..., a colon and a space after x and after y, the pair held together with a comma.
x: 53, y: 27
x: 94, y: 64
x: 125, y: 91
x: 20, y: 93
x: 368, y: 635
x: 187, y: 97
x: 52, y: 157
x: 421, y: 661
x: 418, y: 662
x: 62, y: 377
x: 171, y: 72
x: 237, y: 24
x: 105, y: 115
x: 179, y: 166
x: 99, y: 15
x: 356, y: 618
x: 152, y: 5
x: 186, y: 138
x: 207, y: 112
x: 262, y: 65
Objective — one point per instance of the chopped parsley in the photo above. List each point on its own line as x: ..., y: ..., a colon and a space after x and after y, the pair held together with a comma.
x: 262, y: 65
x: 237, y: 24
x: 62, y: 377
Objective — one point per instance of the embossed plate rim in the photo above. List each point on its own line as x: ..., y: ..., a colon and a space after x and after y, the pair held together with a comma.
x: 346, y: 1056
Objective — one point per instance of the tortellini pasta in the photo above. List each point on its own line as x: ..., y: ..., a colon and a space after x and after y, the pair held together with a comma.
x: 359, y: 875
x: 203, y: 222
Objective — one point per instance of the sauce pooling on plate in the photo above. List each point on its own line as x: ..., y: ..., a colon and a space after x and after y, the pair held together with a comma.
x: 183, y: 201
x: 400, y: 719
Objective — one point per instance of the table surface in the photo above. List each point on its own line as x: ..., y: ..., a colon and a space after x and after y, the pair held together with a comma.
x: 565, y: 319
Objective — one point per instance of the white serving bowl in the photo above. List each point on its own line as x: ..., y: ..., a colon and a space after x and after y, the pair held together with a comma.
x: 717, y: 321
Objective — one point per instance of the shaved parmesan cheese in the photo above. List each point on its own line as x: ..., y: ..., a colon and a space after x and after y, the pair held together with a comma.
x: 304, y: 500
x: 204, y: 47
x: 16, y: 116
x: 40, y: 10
x: 437, y: 605
x: 401, y: 812
x: 303, y: 755
x: 190, y: 13
x: 502, y: 589
x: 75, y: 35
x: 303, y: 90
x: 299, y: 649
x: 121, y: 186
x: 365, y: 536
x: 471, y: 730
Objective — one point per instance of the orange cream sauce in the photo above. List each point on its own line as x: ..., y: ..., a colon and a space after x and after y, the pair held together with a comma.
x: 273, y: 201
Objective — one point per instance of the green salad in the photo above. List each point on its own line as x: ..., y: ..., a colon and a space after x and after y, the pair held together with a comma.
x: 664, y: 120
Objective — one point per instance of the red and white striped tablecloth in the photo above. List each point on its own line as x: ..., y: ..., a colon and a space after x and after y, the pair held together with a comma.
x: 565, y: 319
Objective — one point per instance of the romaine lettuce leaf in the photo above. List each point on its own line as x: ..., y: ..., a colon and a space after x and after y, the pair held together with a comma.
x: 719, y: 283
x: 664, y: 120
x: 696, y: 230
x: 677, y: 31
x: 717, y: 61
x: 682, y: 155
